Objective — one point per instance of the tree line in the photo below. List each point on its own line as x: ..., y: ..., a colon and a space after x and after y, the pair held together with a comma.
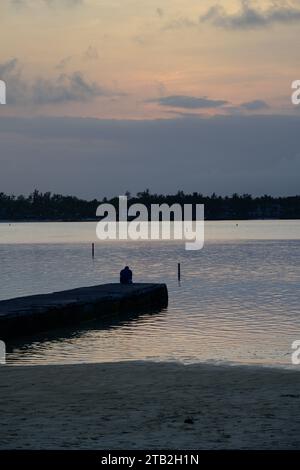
x: 39, y: 206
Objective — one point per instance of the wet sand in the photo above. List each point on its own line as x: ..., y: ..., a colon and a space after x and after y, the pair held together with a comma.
x: 148, y: 405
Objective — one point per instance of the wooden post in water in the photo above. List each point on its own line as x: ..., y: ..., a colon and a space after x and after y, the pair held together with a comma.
x: 93, y: 250
x: 179, y: 272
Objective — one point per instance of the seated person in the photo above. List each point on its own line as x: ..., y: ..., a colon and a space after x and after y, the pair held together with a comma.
x: 126, y: 276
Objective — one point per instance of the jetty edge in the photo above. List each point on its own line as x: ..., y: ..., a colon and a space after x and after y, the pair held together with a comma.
x: 36, y: 313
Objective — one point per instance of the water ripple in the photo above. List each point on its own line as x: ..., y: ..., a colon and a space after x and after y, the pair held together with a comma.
x: 238, y: 301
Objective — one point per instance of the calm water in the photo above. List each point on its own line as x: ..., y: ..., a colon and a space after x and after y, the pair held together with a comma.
x: 238, y: 300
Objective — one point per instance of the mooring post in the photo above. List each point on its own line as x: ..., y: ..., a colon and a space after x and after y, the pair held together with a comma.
x: 93, y: 250
x: 179, y: 272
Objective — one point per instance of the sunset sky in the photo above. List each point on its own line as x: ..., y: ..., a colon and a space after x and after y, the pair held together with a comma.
x: 207, y: 68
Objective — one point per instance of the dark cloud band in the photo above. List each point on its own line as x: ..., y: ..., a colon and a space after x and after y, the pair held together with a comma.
x: 249, y: 17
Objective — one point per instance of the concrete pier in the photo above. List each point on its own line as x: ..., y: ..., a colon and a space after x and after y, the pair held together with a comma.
x: 32, y: 314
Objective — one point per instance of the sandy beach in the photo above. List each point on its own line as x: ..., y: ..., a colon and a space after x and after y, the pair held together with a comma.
x: 148, y: 405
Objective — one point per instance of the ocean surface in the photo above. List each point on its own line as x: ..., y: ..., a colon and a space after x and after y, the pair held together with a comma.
x: 238, y: 300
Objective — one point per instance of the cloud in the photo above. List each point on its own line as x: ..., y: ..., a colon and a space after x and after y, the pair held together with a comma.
x: 188, y: 102
x: 91, y: 53
x: 16, y: 86
x: 255, y: 105
x: 143, y: 39
x: 60, y: 89
x: 8, y: 67
x: 64, y: 2
x: 49, y: 3
x: 179, y: 23
x: 63, y: 63
x: 160, y: 12
x: 249, y: 107
x: 251, y: 18
x: 65, y: 88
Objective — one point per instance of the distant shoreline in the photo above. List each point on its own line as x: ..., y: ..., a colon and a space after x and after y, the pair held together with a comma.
x: 15, y: 221
x: 40, y: 206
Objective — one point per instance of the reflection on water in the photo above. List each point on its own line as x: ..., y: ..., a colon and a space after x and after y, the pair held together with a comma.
x: 238, y: 300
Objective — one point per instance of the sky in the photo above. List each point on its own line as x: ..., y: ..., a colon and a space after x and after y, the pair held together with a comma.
x: 105, y: 96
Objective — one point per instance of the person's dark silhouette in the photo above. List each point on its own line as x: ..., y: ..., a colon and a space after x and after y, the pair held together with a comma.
x: 126, y: 276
